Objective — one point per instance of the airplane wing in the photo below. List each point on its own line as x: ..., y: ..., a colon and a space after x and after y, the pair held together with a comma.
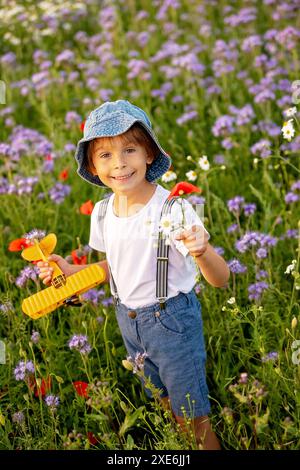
x: 49, y: 299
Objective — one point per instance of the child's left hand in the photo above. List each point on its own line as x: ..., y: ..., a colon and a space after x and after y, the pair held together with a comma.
x: 195, y: 239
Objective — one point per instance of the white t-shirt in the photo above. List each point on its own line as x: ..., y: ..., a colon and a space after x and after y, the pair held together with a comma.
x: 130, y: 244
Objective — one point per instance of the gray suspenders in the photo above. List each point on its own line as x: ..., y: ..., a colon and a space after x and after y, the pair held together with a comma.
x: 162, y: 254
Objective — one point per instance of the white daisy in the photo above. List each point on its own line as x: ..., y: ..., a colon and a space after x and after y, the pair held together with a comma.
x: 169, y: 176
x: 288, y: 129
x: 204, y: 163
x: 290, y: 112
x: 166, y: 224
x: 291, y: 267
x: 191, y: 175
x: 231, y: 300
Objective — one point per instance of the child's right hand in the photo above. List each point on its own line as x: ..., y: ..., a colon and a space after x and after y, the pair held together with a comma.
x: 46, y: 271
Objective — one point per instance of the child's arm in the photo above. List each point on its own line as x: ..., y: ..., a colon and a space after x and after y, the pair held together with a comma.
x: 213, y: 267
x: 46, y: 273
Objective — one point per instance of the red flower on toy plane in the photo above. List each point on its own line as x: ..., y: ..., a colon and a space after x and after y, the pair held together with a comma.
x: 184, y: 188
x: 87, y: 208
x: 19, y: 244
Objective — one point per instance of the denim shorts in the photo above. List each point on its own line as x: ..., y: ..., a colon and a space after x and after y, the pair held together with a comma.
x: 173, y: 339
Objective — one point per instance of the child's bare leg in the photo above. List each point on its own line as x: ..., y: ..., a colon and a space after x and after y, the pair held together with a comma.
x: 204, y: 435
x: 165, y: 402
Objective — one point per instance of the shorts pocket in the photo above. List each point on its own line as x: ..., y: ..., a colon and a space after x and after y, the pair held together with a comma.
x: 171, y: 322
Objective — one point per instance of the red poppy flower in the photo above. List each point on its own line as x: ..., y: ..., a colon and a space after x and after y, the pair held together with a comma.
x: 81, y: 388
x: 64, y: 174
x: 48, y: 158
x: 87, y: 207
x: 77, y: 258
x: 82, y: 126
x: 42, y: 389
x: 19, y: 244
x: 184, y: 188
x: 92, y: 438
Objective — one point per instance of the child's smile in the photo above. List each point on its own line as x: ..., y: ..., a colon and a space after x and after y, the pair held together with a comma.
x: 120, y: 165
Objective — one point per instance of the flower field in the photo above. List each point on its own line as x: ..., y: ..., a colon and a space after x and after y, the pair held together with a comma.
x: 221, y: 83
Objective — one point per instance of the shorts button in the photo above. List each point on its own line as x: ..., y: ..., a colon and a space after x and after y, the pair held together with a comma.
x: 157, y: 314
x: 131, y: 314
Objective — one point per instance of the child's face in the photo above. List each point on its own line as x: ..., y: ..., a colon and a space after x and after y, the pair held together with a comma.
x: 120, y: 165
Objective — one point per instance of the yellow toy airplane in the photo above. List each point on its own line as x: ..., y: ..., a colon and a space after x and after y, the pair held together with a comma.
x: 64, y: 290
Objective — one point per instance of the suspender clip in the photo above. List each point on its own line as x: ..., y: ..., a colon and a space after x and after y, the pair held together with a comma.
x: 162, y: 302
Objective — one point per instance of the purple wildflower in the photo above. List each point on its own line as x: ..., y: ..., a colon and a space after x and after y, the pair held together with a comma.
x: 138, y: 362
x: 24, y: 185
x: 136, y: 68
x: 236, y: 266
x: 219, y: 159
x: 256, y: 290
x: 93, y: 295
x: 248, y: 240
x: 219, y: 250
x: 261, y: 148
x: 80, y: 343
x: 27, y: 273
x: 188, y: 116
x: 69, y: 147
x: 65, y: 56
x: 72, y: 116
x: 18, y: 417
x: 262, y: 253
x: 223, y: 126
x: 249, y: 209
x: 6, y: 307
x: 261, y: 274
x: 232, y: 228
x: 296, y: 186
x: 58, y: 192
x: 52, y: 402
x: 291, y: 197
x: 227, y: 143
x: 23, y: 370
x: 194, y: 199
x: 234, y: 205
x: 291, y: 233
x: 108, y: 301
x: 35, y: 337
x: 271, y: 356
x: 34, y: 234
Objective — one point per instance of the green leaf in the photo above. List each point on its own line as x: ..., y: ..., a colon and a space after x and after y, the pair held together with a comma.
x: 99, y: 416
x: 130, y: 420
x: 257, y: 194
x: 59, y: 379
x: 129, y: 442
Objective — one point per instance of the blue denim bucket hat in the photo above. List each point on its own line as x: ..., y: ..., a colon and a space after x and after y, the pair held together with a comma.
x: 111, y: 119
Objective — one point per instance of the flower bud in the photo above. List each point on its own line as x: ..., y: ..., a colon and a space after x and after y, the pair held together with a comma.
x: 127, y: 364
x: 294, y: 323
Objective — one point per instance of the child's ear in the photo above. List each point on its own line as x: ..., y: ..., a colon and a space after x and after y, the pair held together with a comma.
x: 149, y: 160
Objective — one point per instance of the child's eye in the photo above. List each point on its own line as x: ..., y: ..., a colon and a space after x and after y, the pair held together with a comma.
x: 104, y: 155
x: 131, y: 150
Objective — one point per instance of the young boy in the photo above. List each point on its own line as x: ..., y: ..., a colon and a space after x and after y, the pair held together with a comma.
x: 157, y: 309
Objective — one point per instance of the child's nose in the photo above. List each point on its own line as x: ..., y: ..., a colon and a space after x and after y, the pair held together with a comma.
x: 119, y: 161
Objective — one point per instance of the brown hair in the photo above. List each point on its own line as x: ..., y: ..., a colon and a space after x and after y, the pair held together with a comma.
x: 136, y: 134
